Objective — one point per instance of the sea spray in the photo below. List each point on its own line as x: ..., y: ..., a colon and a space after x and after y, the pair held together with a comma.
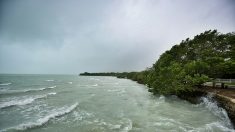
x: 212, y: 106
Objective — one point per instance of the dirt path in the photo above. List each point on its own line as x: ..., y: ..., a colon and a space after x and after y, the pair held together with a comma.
x: 226, y: 99
x: 229, y: 92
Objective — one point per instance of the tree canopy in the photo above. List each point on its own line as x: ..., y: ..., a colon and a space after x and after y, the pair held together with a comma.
x: 191, y: 63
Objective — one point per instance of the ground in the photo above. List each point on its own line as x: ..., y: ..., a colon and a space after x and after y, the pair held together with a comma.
x: 229, y: 92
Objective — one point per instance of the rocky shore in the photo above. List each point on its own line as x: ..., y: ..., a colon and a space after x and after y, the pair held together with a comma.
x: 224, y: 97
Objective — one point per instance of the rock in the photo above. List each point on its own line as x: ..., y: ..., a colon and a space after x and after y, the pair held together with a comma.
x: 228, y: 104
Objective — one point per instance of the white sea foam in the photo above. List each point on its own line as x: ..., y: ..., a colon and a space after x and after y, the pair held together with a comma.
x: 127, y: 125
x: 81, y: 114
x: 52, y: 87
x: 95, y: 85
x: 24, y: 91
x: 53, y: 93
x: 16, y: 102
x: 20, y: 101
x: 49, y: 80
x: 41, y: 121
x: 29, y: 90
x: 160, y: 100
x: 124, y: 125
x: 212, y: 106
x: 70, y: 82
x: 214, y: 126
x: 101, y: 122
x: 5, y: 84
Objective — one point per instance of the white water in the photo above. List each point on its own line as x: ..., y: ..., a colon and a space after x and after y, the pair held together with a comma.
x: 22, y: 100
x: 5, y: 84
x: 41, y: 121
x: 106, y: 104
x: 212, y: 106
x: 52, y: 87
x: 49, y: 80
x: 53, y: 93
x: 25, y: 90
x: 95, y: 85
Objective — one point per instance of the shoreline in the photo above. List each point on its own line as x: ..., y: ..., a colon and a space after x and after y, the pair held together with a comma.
x: 224, y: 101
x: 225, y: 98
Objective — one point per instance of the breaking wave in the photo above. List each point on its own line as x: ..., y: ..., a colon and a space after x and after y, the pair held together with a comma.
x: 52, y: 87
x: 24, y: 91
x: 52, y: 93
x: 95, y: 85
x: 210, y: 127
x: 212, y: 106
x: 5, y: 84
x: 41, y: 121
x: 22, y: 101
x: 49, y: 80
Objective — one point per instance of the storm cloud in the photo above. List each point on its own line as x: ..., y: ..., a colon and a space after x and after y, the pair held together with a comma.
x: 73, y: 36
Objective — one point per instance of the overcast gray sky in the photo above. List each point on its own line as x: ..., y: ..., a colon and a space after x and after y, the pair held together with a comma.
x: 73, y: 36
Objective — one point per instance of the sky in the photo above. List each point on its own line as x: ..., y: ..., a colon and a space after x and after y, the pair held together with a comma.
x: 74, y: 36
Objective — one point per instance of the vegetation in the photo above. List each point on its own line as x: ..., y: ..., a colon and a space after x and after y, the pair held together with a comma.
x: 187, y: 65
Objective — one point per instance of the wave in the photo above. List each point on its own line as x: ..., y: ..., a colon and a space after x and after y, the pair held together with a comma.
x: 23, y: 101
x: 212, y: 106
x: 5, y: 84
x: 70, y: 82
x: 49, y: 80
x: 160, y: 100
x: 52, y: 93
x: 18, y: 101
x: 24, y: 91
x: 41, y: 121
x: 124, y: 125
x: 95, y: 85
x: 213, y: 125
x: 52, y: 87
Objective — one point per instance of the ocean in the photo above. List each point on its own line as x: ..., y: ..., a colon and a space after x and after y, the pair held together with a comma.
x: 71, y: 103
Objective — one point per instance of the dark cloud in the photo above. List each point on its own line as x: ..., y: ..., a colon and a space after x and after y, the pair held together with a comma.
x: 72, y: 36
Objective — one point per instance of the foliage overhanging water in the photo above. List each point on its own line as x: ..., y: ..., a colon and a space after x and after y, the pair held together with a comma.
x: 72, y: 103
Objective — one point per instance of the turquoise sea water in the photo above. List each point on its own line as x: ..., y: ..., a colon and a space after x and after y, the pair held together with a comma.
x: 59, y: 103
